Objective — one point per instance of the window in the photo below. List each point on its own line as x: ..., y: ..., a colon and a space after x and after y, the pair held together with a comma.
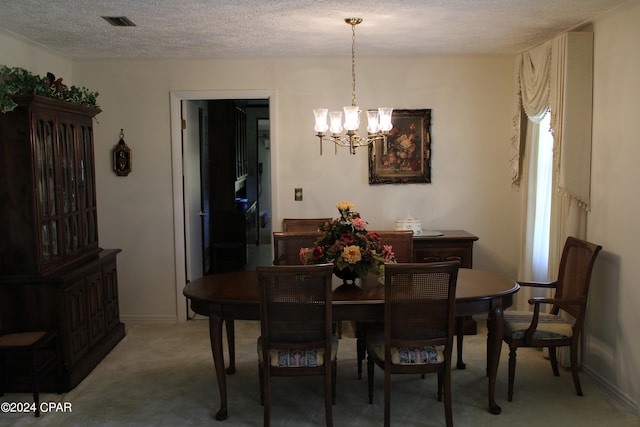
x: 542, y: 175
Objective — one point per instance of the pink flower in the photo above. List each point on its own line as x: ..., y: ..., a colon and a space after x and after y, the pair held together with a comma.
x: 359, y: 224
x: 303, y: 254
x: 387, y: 252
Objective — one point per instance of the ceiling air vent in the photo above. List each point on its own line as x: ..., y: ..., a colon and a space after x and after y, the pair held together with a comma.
x: 119, y: 21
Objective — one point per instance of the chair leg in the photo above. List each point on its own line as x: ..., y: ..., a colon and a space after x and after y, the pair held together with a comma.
x: 36, y: 382
x: 58, y: 364
x: 361, y: 345
x: 3, y: 373
x: 448, y: 412
x: 575, y: 368
x: 328, y: 398
x: 439, y: 386
x: 512, y: 372
x: 370, y: 378
x: 459, y: 338
x: 334, y: 368
x: 387, y: 398
x: 266, y: 400
x: 261, y: 379
x: 554, y: 361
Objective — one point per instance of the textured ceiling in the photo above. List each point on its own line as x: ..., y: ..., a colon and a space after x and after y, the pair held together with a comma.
x: 260, y: 28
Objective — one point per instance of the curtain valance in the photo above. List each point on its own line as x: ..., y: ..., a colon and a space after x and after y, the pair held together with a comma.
x: 557, y: 76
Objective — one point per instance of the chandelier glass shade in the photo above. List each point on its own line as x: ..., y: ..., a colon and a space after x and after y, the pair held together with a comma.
x: 330, y: 126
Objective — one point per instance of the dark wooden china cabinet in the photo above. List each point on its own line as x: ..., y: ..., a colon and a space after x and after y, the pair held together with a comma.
x: 53, y: 274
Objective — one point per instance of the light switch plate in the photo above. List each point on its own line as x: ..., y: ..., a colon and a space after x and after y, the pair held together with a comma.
x: 298, y: 194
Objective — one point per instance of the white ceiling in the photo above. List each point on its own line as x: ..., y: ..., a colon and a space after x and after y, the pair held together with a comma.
x: 260, y: 28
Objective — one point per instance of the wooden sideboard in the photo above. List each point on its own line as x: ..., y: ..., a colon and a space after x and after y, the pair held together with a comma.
x: 452, y: 245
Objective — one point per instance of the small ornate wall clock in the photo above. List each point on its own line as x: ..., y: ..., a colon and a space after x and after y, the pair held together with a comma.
x: 122, y: 157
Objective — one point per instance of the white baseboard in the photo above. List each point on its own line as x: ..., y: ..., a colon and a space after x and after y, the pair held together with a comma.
x: 141, y: 319
x: 615, y: 392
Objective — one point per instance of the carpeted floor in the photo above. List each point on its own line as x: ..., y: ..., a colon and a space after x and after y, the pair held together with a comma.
x: 162, y: 375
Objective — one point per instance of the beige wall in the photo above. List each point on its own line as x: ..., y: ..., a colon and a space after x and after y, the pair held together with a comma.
x: 15, y: 52
x: 611, y: 340
x: 470, y: 98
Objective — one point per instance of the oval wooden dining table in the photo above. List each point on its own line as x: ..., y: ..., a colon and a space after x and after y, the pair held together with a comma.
x: 225, y: 297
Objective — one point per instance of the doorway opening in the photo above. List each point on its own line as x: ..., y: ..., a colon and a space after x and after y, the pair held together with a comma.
x: 199, y: 195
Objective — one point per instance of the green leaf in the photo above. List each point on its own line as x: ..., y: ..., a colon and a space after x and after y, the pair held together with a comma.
x: 18, y: 81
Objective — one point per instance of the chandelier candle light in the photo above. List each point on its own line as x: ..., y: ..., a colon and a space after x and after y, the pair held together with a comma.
x: 379, y: 121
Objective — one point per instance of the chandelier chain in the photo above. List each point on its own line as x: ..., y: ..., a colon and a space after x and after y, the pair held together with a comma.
x: 379, y: 122
x: 353, y: 64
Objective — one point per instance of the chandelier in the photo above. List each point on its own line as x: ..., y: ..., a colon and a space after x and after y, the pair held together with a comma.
x: 379, y: 121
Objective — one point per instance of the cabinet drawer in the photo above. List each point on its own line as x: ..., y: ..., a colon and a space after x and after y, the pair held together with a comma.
x: 451, y: 245
x: 444, y: 254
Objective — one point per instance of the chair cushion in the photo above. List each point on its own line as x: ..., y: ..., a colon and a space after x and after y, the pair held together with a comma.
x: 297, y: 358
x: 406, y: 355
x: 550, y: 326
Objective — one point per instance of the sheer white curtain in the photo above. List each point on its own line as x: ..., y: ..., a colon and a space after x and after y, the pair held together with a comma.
x: 542, y: 145
x: 557, y: 77
x: 536, y: 174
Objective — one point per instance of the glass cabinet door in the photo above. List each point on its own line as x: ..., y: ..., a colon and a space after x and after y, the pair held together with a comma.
x: 87, y: 187
x: 47, y: 193
x: 78, y: 200
x: 49, y: 219
x: 241, y: 143
x: 65, y: 189
x: 69, y: 193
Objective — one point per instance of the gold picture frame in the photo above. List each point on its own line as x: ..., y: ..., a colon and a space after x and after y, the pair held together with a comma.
x: 408, y: 155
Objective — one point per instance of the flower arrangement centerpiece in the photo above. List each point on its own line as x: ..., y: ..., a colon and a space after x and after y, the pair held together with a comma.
x: 346, y: 243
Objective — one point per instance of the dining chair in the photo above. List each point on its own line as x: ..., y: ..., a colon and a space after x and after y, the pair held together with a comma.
x: 41, y: 348
x: 295, y: 327
x: 287, y: 245
x: 419, y: 324
x: 303, y: 224
x: 401, y: 241
x: 402, y: 244
x: 562, y: 326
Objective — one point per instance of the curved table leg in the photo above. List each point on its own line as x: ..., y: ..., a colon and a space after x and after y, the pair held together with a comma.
x: 494, y: 344
x: 231, y: 342
x: 215, y: 335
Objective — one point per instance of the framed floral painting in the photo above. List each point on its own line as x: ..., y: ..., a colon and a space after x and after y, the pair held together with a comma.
x: 407, y: 158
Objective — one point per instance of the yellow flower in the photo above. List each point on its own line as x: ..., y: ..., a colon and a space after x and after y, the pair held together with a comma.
x: 345, y: 206
x: 351, y: 254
